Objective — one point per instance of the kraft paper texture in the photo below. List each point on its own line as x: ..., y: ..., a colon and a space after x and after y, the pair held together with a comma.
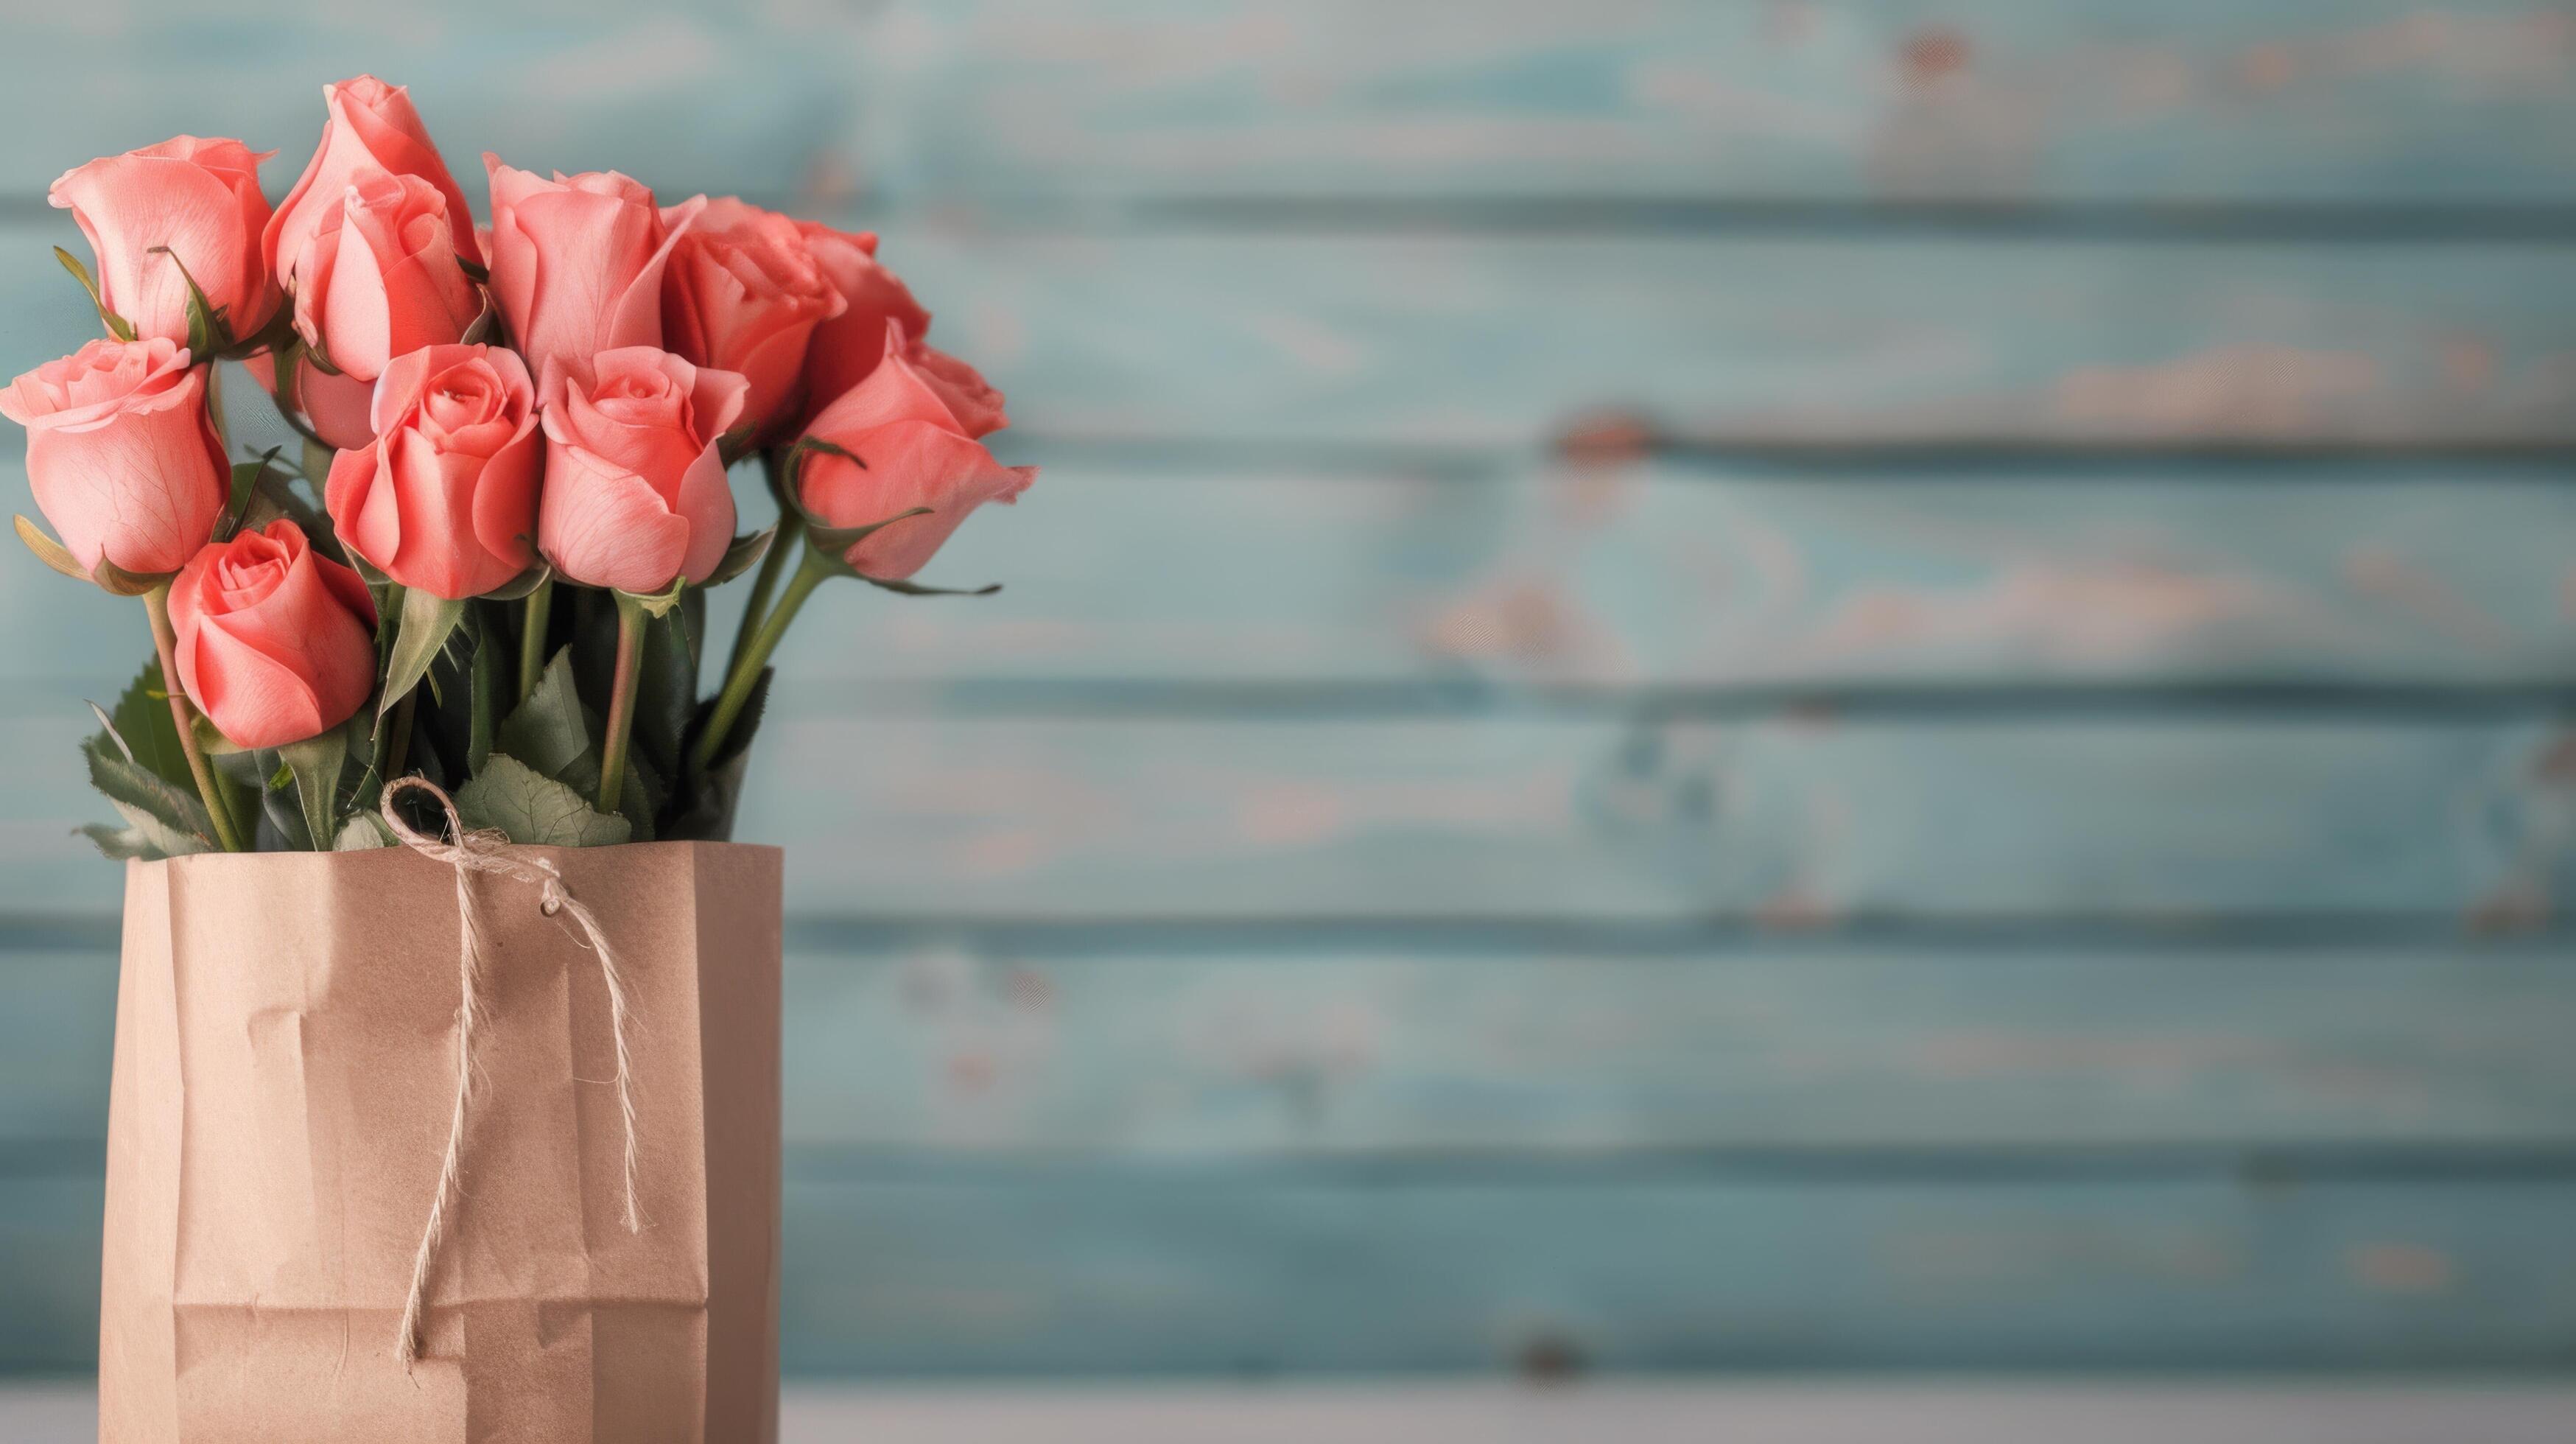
x: 285, y: 1070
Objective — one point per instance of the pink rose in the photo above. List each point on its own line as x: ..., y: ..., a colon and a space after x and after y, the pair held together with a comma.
x: 743, y: 294
x: 370, y: 132
x: 577, y: 263
x: 122, y: 456
x: 847, y: 347
x: 635, y: 494
x: 198, y: 198
x: 276, y: 642
x: 445, y: 498
x: 918, y: 452
x: 380, y: 278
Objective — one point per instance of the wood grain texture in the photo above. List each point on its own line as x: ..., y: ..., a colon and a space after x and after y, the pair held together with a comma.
x: 2298, y: 100
x: 1793, y: 821
x: 684, y: 96
x: 1052, y: 1271
x: 1330, y: 342
x: 1286, y: 583
x: 1132, y: 1050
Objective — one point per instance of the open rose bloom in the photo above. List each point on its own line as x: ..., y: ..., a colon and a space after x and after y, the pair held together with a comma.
x: 533, y: 416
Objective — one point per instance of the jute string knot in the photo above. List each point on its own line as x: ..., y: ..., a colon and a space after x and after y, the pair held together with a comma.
x: 488, y: 851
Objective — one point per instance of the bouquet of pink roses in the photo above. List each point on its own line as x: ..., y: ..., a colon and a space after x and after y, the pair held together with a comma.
x: 488, y: 566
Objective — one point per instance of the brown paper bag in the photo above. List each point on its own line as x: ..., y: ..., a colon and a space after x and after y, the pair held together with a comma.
x: 286, y: 1070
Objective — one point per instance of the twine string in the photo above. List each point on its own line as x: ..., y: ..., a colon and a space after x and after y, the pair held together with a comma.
x: 489, y: 851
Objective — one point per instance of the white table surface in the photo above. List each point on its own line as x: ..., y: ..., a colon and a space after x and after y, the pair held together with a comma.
x: 1805, y: 1411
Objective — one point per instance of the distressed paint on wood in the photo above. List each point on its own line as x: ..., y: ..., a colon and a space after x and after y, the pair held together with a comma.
x: 684, y: 96
x: 2023, y: 100
x: 1671, y: 575
x: 1795, y: 821
x: 1053, y: 1271
x: 1305, y: 1049
x: 1330, y: 342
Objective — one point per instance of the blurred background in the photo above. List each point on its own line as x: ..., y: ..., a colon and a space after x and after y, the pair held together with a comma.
x: 1693, y: 686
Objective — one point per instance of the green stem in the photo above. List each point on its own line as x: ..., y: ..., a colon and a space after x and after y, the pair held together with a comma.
x: 621, y: 702
x: 400, y: 752
x: 532, y: 637
x: 746, y: 667
x: 165, y: 641
x: 773, y: 564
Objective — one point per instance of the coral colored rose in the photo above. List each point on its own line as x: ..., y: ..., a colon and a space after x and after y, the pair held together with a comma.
x: 918, y: 452
x: 379, y: 277
x: 199, y: 198
x: 276, y: 642
x: 123, y: 459
x: 577, y: 264
x: 370, y: 132
x: 742, y: 293
x: 635, y: 493
x: 445, y: 498
x: 847, y: 347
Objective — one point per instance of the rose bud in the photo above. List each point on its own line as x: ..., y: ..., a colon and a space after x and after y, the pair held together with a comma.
x: 743, y: 294
x: 121, y: 454
x: 847, y: 347
x: 635, y: 493
x: 276, y: 643
x: 200, y: 200
x: 577, y: 264
x: 445, y: 498
x: 370, y: 131
x: 379, y: 277
x: 917, y: 452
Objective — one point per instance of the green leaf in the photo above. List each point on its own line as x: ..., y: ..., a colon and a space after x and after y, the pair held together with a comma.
x: 49, y: 551
x: 714, y: 793
x: 742, y: 556
x: 534, y: 810
x: 158, y: 816
x: 208, y: 329
x: 117, y: 326
x: 427, y: 619
x: 120, y: 582
x: 550, y: 731
x: 315, y: 764
x: 914, y: 589
x: 144, y: 730
x: 488, y: 690
x: 247, y: 476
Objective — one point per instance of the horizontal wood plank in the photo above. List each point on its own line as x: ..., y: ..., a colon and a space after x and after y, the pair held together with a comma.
x: 2024, y: 100
x: 1332, y: 342
x: 1730, y: 574
x: 1795, y: 821
x: 1306, y: 1050
x: 1118, y: 1271
x: 687, y: 96
x: 1726, y: 575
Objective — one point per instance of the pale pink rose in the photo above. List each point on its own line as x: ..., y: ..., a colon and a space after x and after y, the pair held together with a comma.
x: 743, y: 294
x: 371, y: 131
x: 379, y: 277
x: 276, y: 643
x: 845, y: 348
x: 913, y: 449
x: 577, y: 264
x: 198, y: 198
x: 635, y: 492
x: 121, y: 455
x: 445, y: 498
x: 336, y: 408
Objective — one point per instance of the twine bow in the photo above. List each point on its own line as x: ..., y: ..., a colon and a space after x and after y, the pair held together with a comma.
x: 488, y: 851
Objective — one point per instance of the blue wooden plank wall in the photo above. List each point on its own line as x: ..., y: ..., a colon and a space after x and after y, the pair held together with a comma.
x: 1694, y: 685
